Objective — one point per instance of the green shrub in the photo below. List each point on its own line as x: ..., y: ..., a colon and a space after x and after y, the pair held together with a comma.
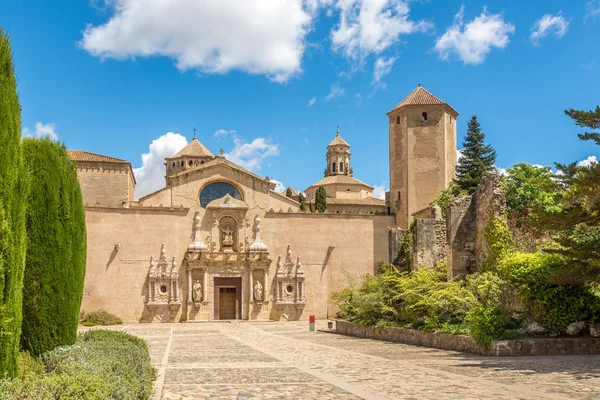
x: 56, y: 248
x: 556, y: 306
x: 371, y: 302
x: 499, y: 239
x: 101, y: 365
x: 100, y: 317
x: 13, y: 200
x: 489, y: 323
x: 531, y: 268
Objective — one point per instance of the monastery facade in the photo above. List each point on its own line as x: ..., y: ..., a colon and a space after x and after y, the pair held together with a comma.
x: 218, y: 242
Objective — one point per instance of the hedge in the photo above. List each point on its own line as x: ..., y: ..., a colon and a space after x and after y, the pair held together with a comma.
x: 56, y: 249
x: 13, y: 199
x: 101, y: 365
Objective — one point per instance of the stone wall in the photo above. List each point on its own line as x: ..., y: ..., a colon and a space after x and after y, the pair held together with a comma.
x: 331, y: 247
x: 105, y: 184
x: 501, y: 348
x: 429, y: 241
x: 466, y: 221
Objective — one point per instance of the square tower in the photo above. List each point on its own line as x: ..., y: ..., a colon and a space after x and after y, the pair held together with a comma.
x: 422, y: 152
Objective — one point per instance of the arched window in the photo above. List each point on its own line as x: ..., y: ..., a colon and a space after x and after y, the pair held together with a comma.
x: 424, y: 115
x: 217, y: 190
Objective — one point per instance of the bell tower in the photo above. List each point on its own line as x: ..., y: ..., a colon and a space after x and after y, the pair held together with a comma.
x: 422, y: 152
x: 338, y: 156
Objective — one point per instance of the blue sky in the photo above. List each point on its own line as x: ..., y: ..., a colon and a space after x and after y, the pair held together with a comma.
x: 269, y: 81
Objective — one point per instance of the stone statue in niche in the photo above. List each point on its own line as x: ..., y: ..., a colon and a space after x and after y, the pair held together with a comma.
x: 197, y: 292
x: 228, y: 227
x: 258, y: 291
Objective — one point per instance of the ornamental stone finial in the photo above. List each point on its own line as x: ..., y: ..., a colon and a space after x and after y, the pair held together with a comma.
x: 257, y: 245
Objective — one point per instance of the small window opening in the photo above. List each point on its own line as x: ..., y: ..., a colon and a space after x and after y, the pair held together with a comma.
x: 424, y: 115
x: 201, y: 162
x: 190, y: 163
x: 173, y: 163
x: 333, y: 169
x: 398, y: 120
x: 341, y: 167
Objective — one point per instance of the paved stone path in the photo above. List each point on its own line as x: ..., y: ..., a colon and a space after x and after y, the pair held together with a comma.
x: 272, y: 360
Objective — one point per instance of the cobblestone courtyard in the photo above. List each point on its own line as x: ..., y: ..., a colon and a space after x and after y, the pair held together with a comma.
x: 283, y: 360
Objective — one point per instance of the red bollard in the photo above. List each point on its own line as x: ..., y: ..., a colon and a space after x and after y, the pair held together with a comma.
x: 311, y: 323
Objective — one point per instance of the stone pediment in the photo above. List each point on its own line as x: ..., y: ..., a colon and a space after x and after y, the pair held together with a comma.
x: 227, y: 202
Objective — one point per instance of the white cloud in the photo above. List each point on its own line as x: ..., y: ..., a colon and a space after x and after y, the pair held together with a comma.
x: 42, y: 130
x: 459, y: 154
x: 473, y: 42
x: 311, y: 102
x: 383, y: 66
x: 379, y: 191
x: 220, y: 133
x: 151, y: 175
x: 255, y: 36
x: 501, y: 171
x: 547, y: 25
x: 251, y: 155
x: 592, y: 10
x: 336, y: 91
x: 588, y: 162
x: 280, y: 186
x: 589, y: 66
x: 371, y: 26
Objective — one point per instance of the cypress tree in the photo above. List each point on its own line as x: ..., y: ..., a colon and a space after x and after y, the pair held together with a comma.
x: 56, y: 249
x: 288, y: 192
x: 302, y: 199
x: 321, y: 199
x: 13, y: 197
x: 477, y: 158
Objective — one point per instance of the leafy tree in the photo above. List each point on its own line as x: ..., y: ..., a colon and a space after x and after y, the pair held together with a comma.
x: 288, y: 192
x: 13, y: 195
x: 321, y: 199
x: 477, y: 158
x: 302, y: 199
x: 577, y: 224
x: 56, y: 249
x: 529, y: 189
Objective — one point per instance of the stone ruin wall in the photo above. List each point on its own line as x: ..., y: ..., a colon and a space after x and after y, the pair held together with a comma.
x: 459, y: 238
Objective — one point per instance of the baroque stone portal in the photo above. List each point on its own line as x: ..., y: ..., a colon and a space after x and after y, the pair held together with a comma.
x: 163, y: 283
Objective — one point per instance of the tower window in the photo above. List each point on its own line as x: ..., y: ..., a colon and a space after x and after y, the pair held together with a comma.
x: 398, y: 120
x: 424, y: 115
x: 341, y: 167
x: 191, y: 163
x: 333, y: 169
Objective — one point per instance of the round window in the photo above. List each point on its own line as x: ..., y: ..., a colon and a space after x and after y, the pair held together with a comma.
x: 163, y: 289
x: 217, y: 190
x: 289, y: 289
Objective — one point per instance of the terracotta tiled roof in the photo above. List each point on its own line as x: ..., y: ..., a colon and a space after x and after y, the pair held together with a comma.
x: 343, y: 179
x: 195, y: 149
x: 366, y: 201
x: 78, y: 155
x: 421, y: 96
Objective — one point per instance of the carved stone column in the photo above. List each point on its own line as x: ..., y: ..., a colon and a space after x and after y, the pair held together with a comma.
x: 266, y: 285
x: 189, y: 285
x: 251, y: 285
x: 205, y: 288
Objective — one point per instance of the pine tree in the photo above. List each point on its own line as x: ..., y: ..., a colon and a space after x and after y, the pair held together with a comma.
x: 321, y: 199
x: 301, y: 200
x: 577, y: 224
x: 56, y: 249
x: 13, y: 200
x: 288, y: 192
x: 477, y: 158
